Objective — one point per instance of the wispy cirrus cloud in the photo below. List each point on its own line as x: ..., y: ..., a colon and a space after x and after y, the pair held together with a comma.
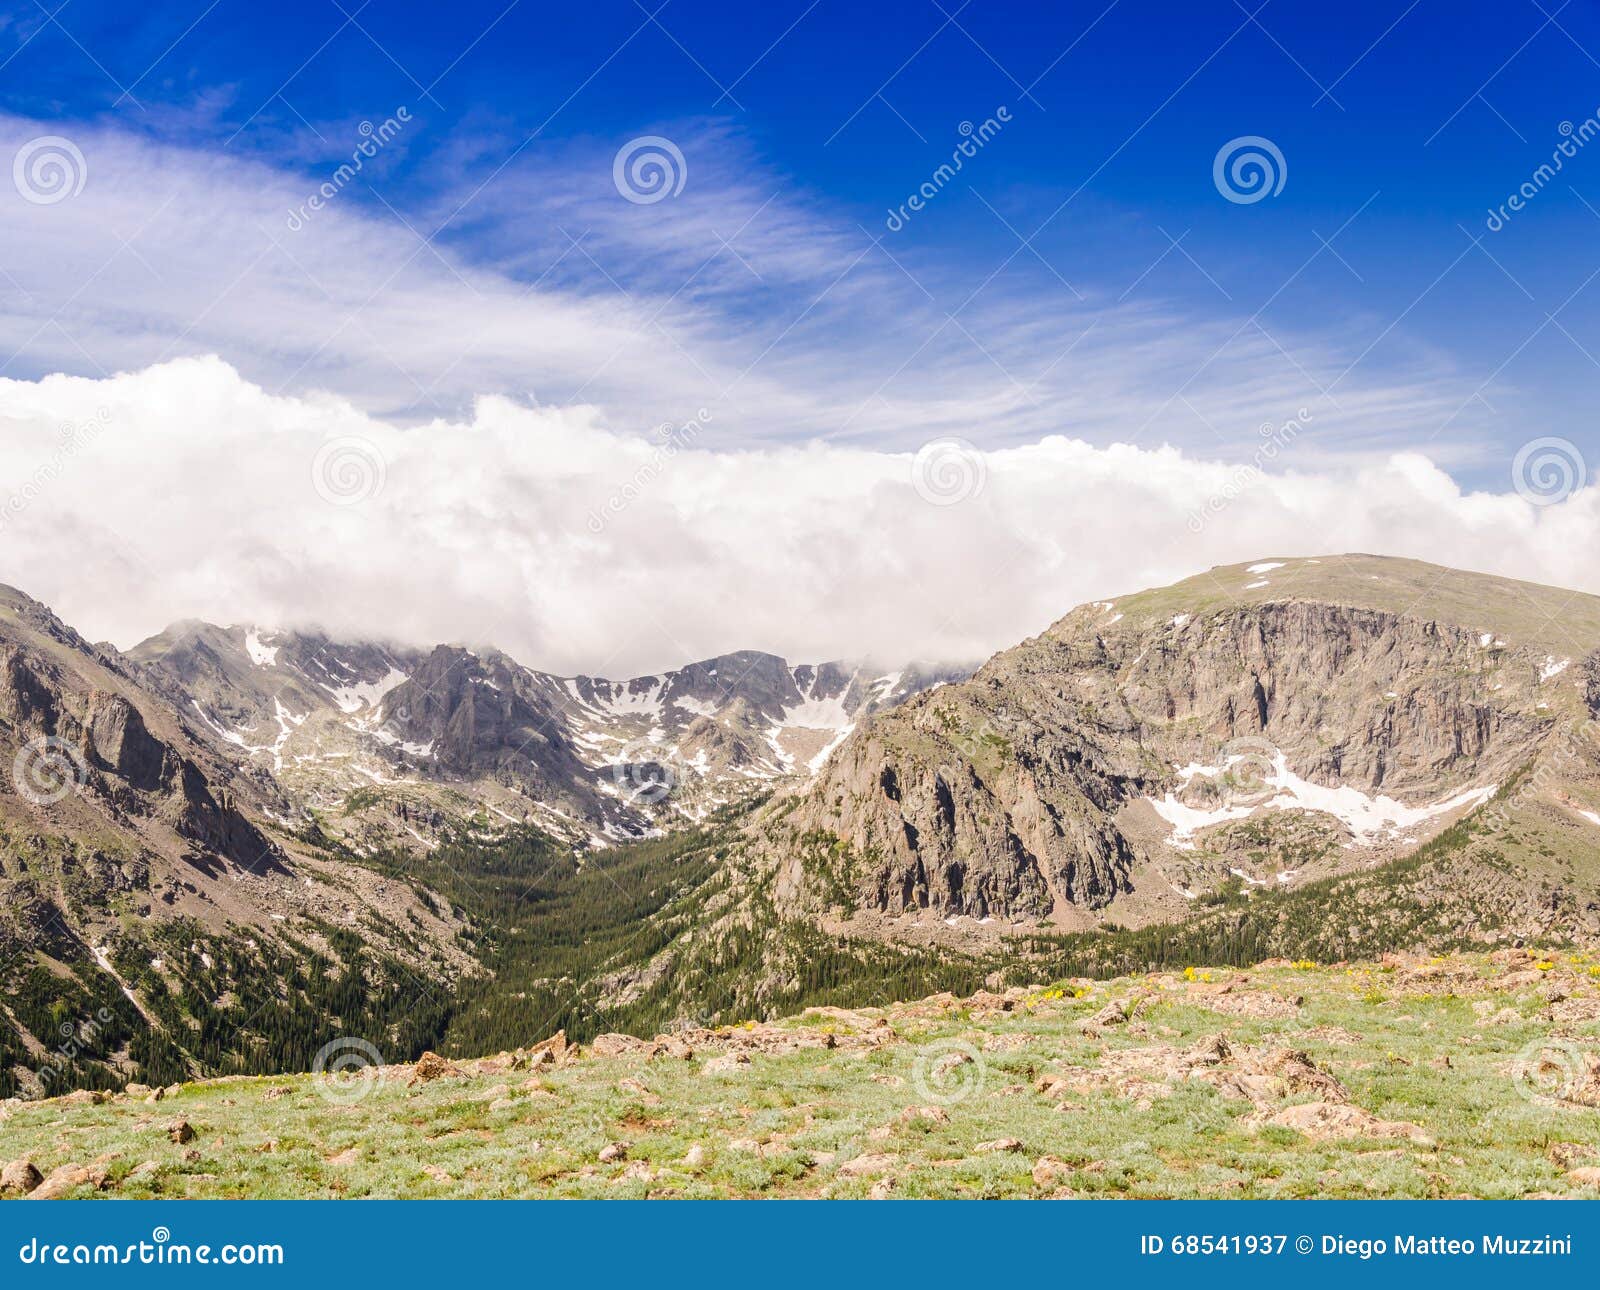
x: 743, y: 295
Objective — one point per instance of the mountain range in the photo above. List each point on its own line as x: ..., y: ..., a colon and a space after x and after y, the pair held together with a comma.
x: 239, y: 841
x: 388, y: 744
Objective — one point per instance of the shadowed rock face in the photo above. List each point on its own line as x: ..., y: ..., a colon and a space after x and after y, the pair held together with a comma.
x: 484, y: 715
x: 123, y: 745
x: 54, y: 686
x: 1027, y: 790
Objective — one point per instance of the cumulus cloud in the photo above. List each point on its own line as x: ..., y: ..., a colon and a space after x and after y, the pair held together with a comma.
x: 184, y: 489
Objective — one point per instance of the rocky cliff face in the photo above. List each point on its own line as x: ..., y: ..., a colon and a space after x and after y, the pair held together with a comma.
x: 389, y: 746
x: 77, y: 740
x: 1141, y: 752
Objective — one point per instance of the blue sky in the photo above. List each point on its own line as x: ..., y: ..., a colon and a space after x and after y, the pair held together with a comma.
x: 237, y: 240
x: 1400, y: 124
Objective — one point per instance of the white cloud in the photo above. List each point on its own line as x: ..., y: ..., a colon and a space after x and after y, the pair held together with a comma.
x: 196, y: 498
x: 744, y: 295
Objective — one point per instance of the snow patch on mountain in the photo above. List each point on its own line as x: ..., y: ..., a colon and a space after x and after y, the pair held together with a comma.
x: 261, y: 654
x: 1370, y: 819
x: 366, y: 694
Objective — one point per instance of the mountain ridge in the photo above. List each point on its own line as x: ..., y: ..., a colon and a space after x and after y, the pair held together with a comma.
x: 1068, y: 776
x: 275, y: 834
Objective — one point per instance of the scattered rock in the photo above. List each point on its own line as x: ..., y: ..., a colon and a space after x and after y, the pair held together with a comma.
x: 622, y: 1046
x: 1323, y: 1121
x: 996, y: 1145
x: 726, y: 1064
x: 1050, y: 1171
x: 1568, y: 1154
x: 695, y: 1156
x: 137, y: 1090
x: 1262, y: 1004
x: 280, y: 1090
x: 430, y: 1066
x: 349, y: 1156
x: 1115, y: 1013
x: 437, y: 1173
x: 950, y: 1061
x: 84, y: 1097
x: 613, y: 1152
x: 1585, y: 1176
x: 180, y: 1131
x: 141, y: 1171
x: 883, y: 1189
x: 933, y: 1114
x: 867, y: 1165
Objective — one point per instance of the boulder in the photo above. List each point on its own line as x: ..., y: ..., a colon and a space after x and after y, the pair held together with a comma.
x: 430, y: 1066
x: 67, y: 1178
x: 18, y: 1178
x: 1050, y: 1172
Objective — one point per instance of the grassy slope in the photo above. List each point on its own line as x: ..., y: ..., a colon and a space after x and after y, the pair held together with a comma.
x: 1431, y: 1043
x: 1523, y: 613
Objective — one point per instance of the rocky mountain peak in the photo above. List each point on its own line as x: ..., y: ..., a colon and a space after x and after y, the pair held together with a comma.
x: 1145, y: 749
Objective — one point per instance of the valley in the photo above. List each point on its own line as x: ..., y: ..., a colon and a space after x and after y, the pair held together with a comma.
x: 228, y: 848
